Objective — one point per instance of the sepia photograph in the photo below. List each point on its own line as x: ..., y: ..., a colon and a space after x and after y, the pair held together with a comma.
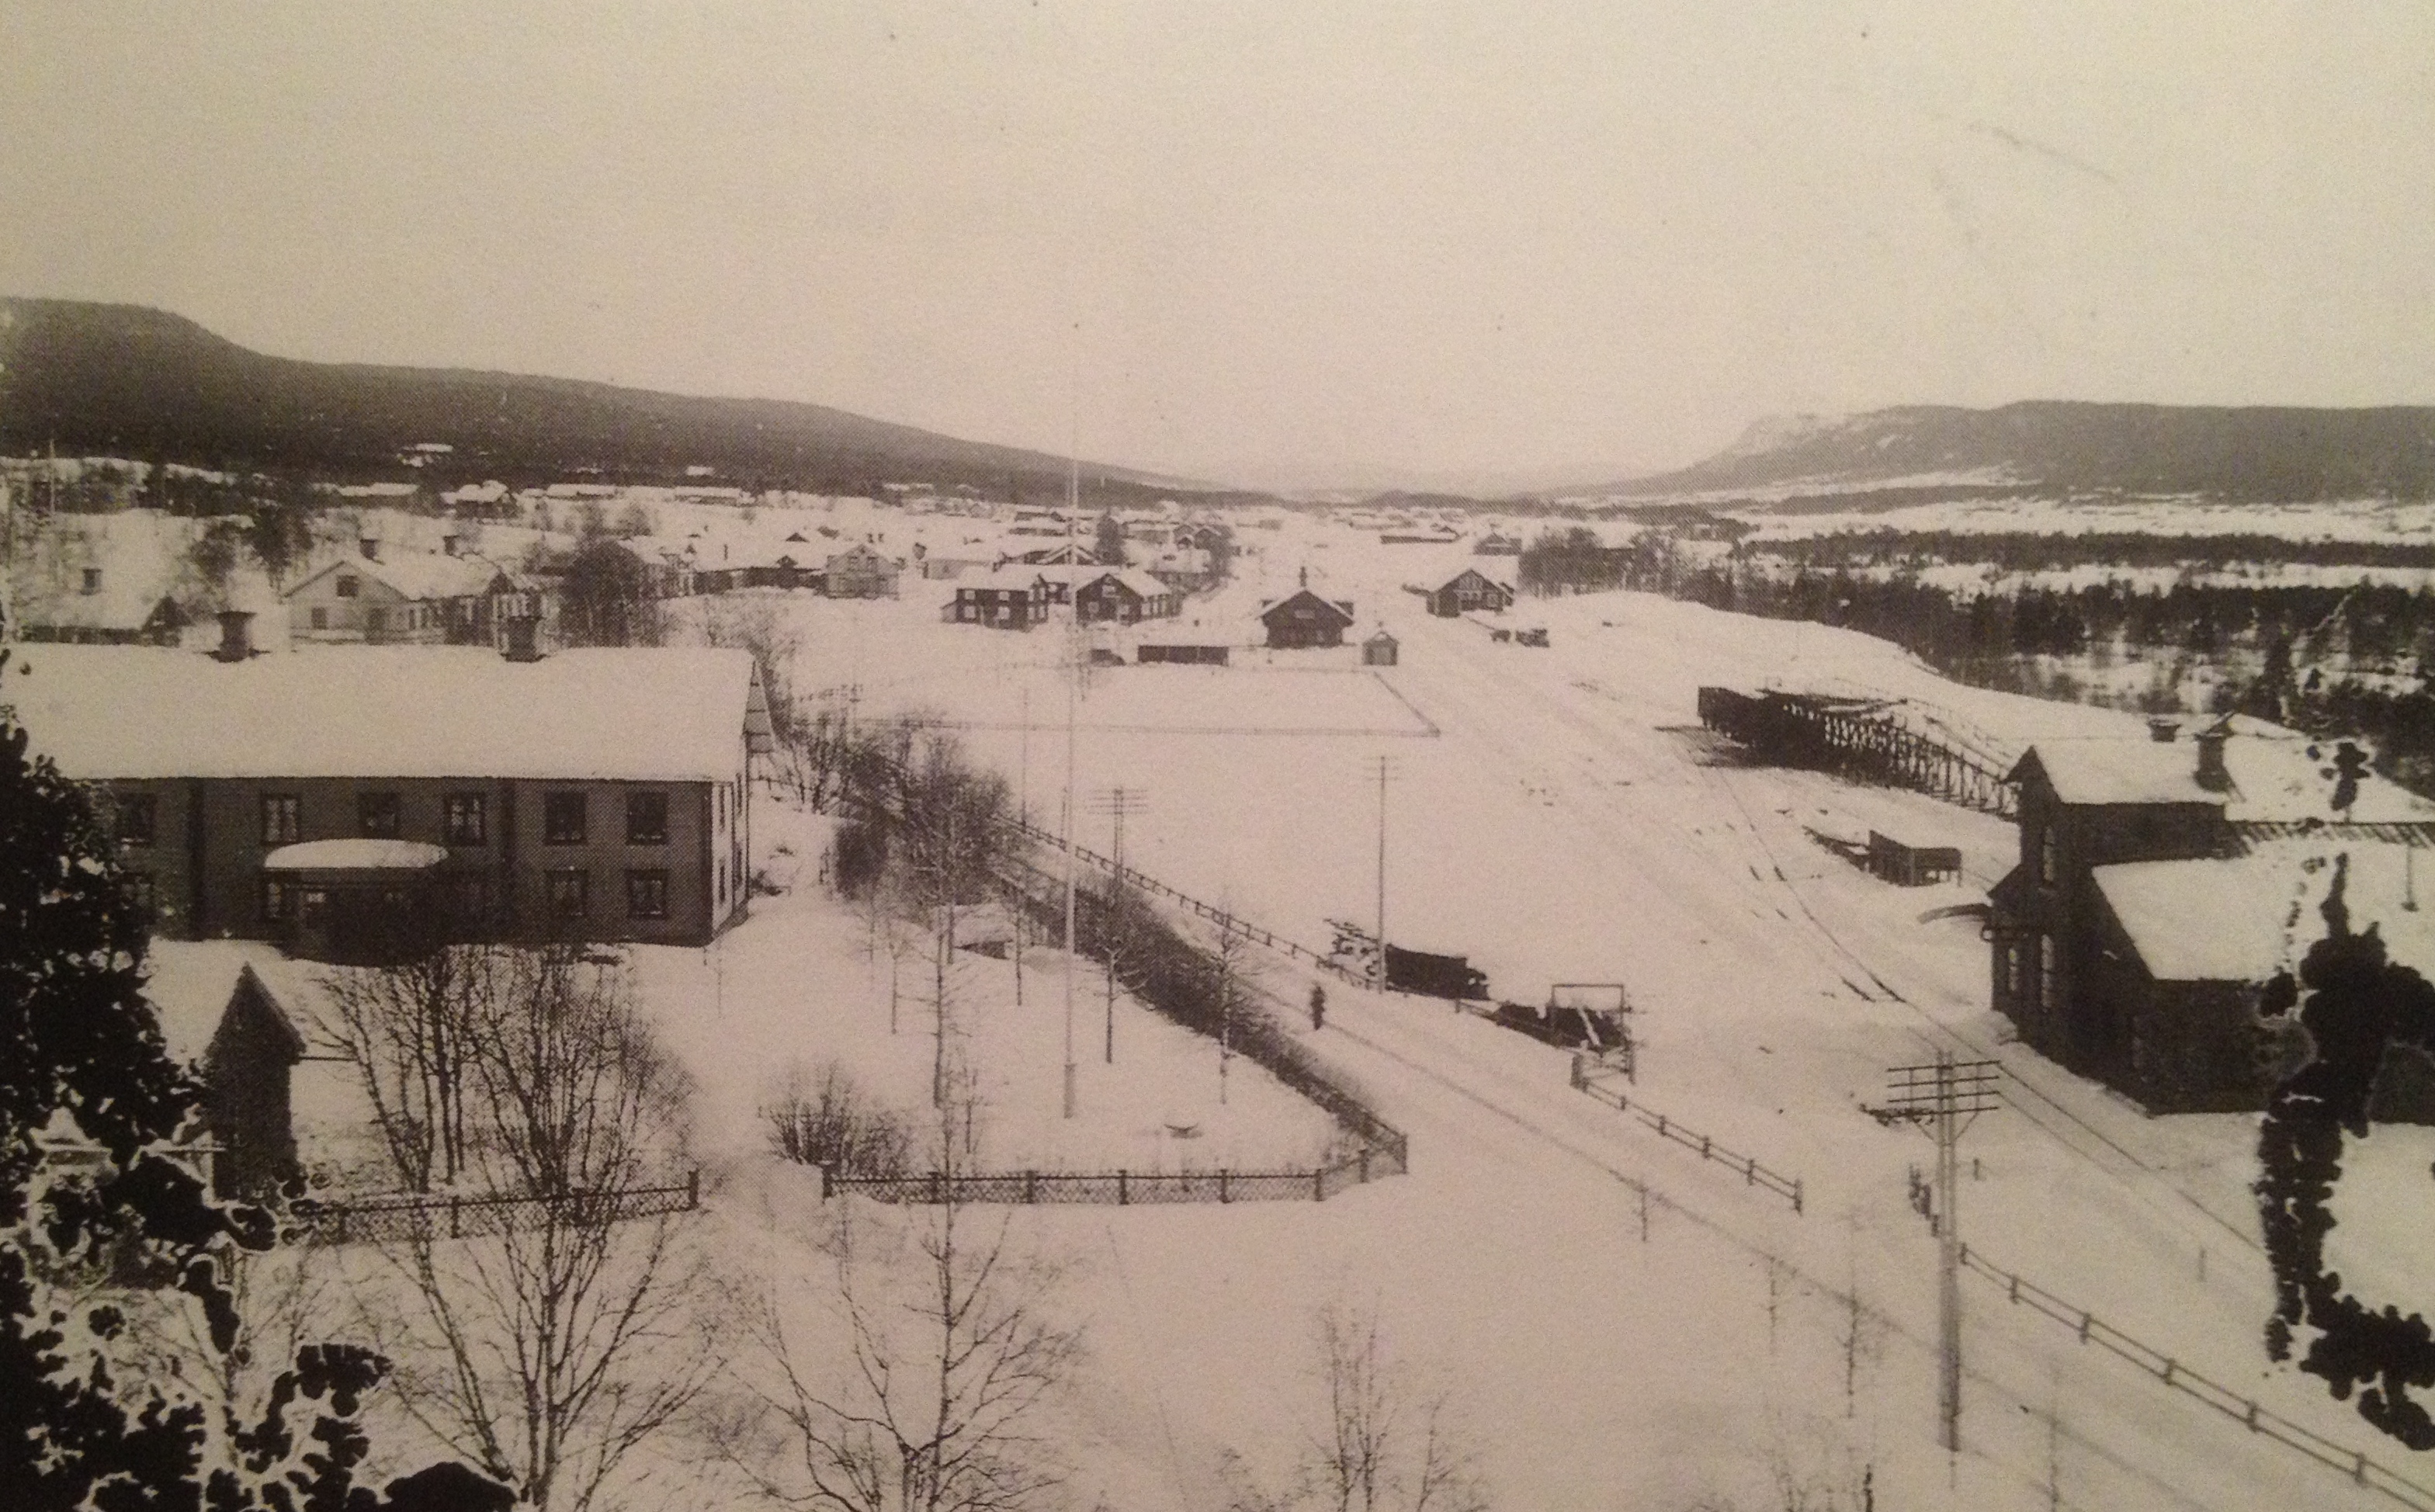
x: 1077, y: 756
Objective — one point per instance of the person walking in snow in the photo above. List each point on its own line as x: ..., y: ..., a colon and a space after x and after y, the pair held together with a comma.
x: 1317, y: 1005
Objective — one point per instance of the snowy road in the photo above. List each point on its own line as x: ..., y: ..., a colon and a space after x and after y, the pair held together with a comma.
x: 1567, y: 824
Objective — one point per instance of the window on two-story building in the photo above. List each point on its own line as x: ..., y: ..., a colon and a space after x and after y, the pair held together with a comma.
x: 349, y: 585
x: 646, y: 818
x: 2050, y: 974
x: 136, y: 818
x: 2047, y: 858
x: 282, y: 818
x: 375, y: 621
x: 2015, y: 966
x: 376, y: 815
x: 566, y: 893
x: 647, y: 895
x: 277, y: 901
x: 320, y: 618
x: 562, y: 819
x: 139, y: 889
x: 468, y: 819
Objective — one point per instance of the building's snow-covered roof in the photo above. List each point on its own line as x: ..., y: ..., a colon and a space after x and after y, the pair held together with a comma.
x: 2246, y: 918
x: 635, y: 714
x: 360, y: 854
x: 415, y: 576
x: 1141, y: 583
x: 189, y: 984
x: 1336, y: 607
x: 1006, y: 579
x: 2276, y: 774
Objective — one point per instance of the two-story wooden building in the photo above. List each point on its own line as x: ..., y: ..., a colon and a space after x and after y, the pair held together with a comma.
x: 418, y: 599
x: 594, y: 795
x: 1305, y: 620
x: 1009, y: 598
x: 2161, y: 886
x: 1467, y: 591
x: 860, y: 572
x: 1124, y: 596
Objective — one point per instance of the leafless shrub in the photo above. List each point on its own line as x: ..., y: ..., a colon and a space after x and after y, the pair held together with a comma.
x: 833, y: 1124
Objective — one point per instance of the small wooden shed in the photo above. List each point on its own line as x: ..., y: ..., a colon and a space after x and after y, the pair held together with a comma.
x: 1379, y: 650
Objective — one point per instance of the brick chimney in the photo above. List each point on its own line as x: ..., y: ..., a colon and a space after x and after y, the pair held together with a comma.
x: 523, y: 638
x: 451, y: 542
x: 2163, y: 730
x: 2212, y: 774
x: 368, y: 541
x: 236, y: 635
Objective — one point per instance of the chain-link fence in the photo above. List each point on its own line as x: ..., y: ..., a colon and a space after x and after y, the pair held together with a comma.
x: 1128, y: 1188
x: 434, y: 1215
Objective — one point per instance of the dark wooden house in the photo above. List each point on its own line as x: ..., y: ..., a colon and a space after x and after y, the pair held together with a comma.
x: 1467, y: 591
x: 1009, y: 598
x: 1124, y: 596
x: 2157, y: 892
x: 1306, y: 620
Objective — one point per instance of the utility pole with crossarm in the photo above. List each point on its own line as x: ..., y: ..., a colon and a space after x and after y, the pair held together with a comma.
x: 1944, y: 1098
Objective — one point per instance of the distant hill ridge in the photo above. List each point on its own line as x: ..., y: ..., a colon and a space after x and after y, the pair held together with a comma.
x: 129, y: 381
x: 2251, y: 455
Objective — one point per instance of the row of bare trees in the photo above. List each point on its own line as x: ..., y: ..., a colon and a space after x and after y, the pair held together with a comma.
x: 561, y: 1335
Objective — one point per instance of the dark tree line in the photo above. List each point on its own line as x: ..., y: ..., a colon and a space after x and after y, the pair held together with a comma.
x: 1983, y: 638
x: 2022, y: 551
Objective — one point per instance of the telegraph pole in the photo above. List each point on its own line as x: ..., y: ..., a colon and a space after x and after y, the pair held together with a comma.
x: 1944, y: 1098
x: 1385, y: 767
x: 1118, y: 801
x: 1023, y: 807
x: 1073, y: 676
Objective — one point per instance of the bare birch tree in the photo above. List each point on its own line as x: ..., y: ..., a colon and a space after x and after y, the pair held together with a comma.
x: 934, y: 1399
x: 1383, y: 1441
x: 408, y: 1030
x: 552, y: 1324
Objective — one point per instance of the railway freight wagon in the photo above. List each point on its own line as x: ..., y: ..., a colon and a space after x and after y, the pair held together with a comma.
x: 1434, y: 976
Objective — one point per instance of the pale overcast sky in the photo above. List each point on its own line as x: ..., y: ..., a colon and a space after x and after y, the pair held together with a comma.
x: 1268, y: 243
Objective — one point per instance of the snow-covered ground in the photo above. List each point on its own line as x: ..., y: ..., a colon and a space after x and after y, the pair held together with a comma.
x: 1554, y: 814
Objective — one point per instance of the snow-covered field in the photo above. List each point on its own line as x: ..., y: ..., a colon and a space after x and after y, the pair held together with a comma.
x: 1553, y: 814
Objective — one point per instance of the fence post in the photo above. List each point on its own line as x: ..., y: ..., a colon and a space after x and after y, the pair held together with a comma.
x: 455, y: 1228
x: 1581, y: 1071
x: 1750, y: 1171
x: 693, y: 1188
x: 938, y: 1186
x: 1221, y: 1184
x: 1319, y: 1185
x: 1796, y: 1197
x: 1030, y: 1188
x: 1365, y: 1165
x: 1123, y: 1194
x: 824, y: 1183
